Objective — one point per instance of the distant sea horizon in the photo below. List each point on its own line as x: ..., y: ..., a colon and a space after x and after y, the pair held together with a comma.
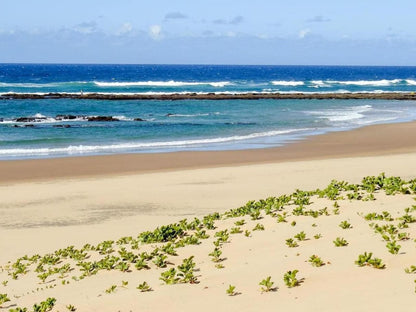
x: 75, y: 127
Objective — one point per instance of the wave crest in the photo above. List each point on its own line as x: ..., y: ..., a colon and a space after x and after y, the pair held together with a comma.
x: 81, y: 149
x: 171, y: 83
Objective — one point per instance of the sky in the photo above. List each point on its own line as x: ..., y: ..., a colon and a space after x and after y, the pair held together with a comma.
x: 297, y: 32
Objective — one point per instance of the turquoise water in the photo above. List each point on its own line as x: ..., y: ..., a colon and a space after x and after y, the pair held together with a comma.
x: 64, y: 127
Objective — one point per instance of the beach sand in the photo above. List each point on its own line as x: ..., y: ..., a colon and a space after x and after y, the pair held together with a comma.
x: 51, y: 204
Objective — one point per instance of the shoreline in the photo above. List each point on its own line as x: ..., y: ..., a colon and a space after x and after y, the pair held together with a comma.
x: 213, y: 96
x: 384, y: 139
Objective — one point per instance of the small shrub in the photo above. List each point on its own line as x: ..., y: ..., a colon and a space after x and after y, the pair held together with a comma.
x: 301, y: 236
x: 345, y: 225
x: 393, y: 247
x: 316, y: 261
x: 340, y: 242
x: 291, y: 243
x: 317, y: 236
x: 258, y: 227
x: 3, y: 299
x: 111, y: 289
x: 290, y: 278
x: 230, y: 291
x: 267, y: 284
x: 144, y: 287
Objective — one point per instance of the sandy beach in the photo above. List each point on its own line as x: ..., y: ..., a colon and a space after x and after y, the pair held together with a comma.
x: 49, y: 204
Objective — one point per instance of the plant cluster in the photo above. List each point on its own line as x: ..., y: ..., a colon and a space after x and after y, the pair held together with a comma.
x: 367, y: 259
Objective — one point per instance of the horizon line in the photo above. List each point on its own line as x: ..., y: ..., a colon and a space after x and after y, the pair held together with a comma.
x: 200, y: 64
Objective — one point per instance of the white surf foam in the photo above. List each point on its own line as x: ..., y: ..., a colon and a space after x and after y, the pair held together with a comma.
x: 380, y: 83
x: 171, y: 83
x: 81, y: 149
x: 287, y: 83
x: 189, y: 115
x: 411, y: 82
x: 319, y: 84
x: 342, y: 115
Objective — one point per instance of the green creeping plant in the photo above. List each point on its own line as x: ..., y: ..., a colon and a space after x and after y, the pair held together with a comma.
x: 290, y: 278
x: 240, y: 222
x: 71, y: 308
x: 18, y: 309
x: 222, y: 236
x: 247, y: 233
x: 216, y: 254
x: 393, y: 247
x: 127, y: 255
x: 411, y: 269
x: 317, y: 236
x: 124, y: 240
x: 291, y: 243
x: 316, y: 261
x: 366, y: 259
x: 301, y: 236
x: 141, y: 264
x: 281, y: 218
x: 186, y: 271
x: 345, y: 225
x: 258, y: 227
x: 160, y: 261
x: 169, y: 249
x: 144, y: 287
x: 340, y: 242
x: 123, y: 266
x: 169, y: 277
x: 267, y: 284
x: 111, y: 289
x: 3, y: 299
x: 403, y: 236
x: 201, y: 234
x: 44, y: 306
x: 230, y: 291
x: 236, y: 230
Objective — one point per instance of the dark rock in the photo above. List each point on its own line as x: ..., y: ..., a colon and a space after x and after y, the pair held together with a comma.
x: 169, y: 114
x: 29, y: 119
x: 1, y: 119
x: 102, y: 118
x: 66, y: 117
x: 139, y: 119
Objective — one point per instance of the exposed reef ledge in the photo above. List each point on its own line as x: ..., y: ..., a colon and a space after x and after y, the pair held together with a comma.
x: 212, y: 96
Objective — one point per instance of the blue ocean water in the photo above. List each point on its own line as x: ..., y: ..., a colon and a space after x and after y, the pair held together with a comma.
x: 64, y: 127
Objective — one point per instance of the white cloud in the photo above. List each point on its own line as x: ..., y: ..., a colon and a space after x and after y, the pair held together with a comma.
x: 125, y: 29
x: 86, y: 27
x: 304, y: 32
x: 155, y: 32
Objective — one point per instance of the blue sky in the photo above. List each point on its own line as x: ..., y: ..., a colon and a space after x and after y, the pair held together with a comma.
x: 365, y: 32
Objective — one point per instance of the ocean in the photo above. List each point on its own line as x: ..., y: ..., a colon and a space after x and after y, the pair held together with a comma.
x: 44, y: 128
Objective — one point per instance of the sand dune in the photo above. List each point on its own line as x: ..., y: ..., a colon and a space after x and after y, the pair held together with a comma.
x: 41, y: 215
